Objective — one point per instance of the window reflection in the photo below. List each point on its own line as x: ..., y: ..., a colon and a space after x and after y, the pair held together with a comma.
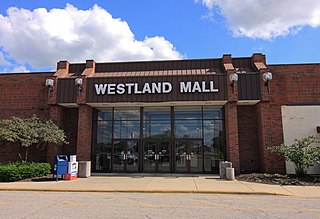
x: 203, y: 124
x: 157, y: 122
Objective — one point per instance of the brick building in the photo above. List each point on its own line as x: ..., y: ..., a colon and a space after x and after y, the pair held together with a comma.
x: 179, y: 116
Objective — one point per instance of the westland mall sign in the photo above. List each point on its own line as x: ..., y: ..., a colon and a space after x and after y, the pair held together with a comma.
x: 155, y: 88
x: 151, y: 89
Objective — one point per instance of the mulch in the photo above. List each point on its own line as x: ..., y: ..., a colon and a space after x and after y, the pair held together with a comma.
x: 278, y: 179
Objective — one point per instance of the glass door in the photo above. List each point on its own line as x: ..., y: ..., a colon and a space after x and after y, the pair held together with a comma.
x: 132, y: 164
x: 125, y: 156
x: 195, y: 156
x: 181, y: 157
x: 119, y: 156
x: 163, y: 161
x: 188, y: 156
x: 156, y: 156
x: 149, y: 156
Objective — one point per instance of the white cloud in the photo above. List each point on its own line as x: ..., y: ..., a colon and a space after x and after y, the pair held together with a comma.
x: 266, y: 19
x: 41, y: 38
x: 19, y: 69
x: 2, y: 60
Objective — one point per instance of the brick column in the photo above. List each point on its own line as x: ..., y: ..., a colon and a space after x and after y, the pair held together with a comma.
x: 231, y: 116
x: 84, y: 133
x: 56, y: 115
x: 268, y: 122
x: 232, y: 140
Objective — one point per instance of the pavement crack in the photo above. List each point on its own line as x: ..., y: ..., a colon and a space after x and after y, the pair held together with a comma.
x: 194, y: 181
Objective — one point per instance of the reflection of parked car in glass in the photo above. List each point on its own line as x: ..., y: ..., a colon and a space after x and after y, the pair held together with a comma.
x: 132, y: 158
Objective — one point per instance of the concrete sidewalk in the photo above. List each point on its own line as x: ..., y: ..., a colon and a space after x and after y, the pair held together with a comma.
x: 162, y: 184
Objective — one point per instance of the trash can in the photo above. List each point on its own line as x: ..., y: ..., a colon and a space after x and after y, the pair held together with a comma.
x: 223, y: 165
x: 60, y: 166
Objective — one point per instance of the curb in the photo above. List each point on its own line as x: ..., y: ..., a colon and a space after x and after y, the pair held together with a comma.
x: 145, y: 191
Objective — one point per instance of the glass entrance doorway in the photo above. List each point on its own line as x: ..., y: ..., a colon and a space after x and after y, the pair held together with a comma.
x: 188, y: 157
x: 188, y: 139
x: 156, y: 156
x: 125, y: 156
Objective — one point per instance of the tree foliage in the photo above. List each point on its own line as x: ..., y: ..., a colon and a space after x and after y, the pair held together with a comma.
x: 30, y: 131
x: 303, y: 153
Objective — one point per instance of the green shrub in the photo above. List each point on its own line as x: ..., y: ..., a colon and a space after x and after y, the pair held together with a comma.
x: 22, y: 170
x: 9, y: 173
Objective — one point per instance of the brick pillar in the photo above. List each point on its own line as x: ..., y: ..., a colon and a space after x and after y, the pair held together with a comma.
x: 231, y: 116
x: 232, y: 140
x: 84, y: 133
x: 264, y: 122
x: 56, y: 115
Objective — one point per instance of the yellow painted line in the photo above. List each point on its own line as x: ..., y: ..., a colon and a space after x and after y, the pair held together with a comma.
x: 273, y: 203
x: 2, y: 203
x: 57, y: 199
x: 237, y: 208
x: 142, y: 191
x: 133, y: 201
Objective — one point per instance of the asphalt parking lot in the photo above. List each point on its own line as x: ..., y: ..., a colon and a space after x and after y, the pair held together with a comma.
x: 14, y: 204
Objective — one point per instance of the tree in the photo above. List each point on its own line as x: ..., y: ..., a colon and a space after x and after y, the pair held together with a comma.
x: 30, y: 131
x: 303, y: 153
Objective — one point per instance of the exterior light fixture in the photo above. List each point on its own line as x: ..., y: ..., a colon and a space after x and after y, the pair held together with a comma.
x: 78, y: 83
x: 233, y: 78
x: 267, y: 76
x: 49, y: 85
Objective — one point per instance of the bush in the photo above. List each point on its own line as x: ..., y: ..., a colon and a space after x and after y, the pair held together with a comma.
x: 303, y: 153
x: 22, y: 170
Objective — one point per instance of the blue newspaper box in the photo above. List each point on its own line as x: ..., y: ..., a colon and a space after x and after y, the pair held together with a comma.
x: 60, y: 166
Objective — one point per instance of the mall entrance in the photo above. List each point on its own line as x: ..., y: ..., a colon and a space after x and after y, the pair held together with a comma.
x: 158, y: 140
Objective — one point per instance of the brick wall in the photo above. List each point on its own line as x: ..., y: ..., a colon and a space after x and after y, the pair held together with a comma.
x: 248, y: 139
x: 25, y: 95
x: 291, y: 84
x: 232, y: 141
x: 84, y: 133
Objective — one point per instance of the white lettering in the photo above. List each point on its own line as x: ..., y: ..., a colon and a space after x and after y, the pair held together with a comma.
x: 146, y: 88
x: 185, y: 87
x: 111, y: 88
x: 101, y: 88
x: 121, y: 89
x: 129, y: 85
x: 156, y: 87
x: 212, y: 89
x: 204, y: 87
x: 136, y: 89
x: 166, y: 87
x: 196, y: 87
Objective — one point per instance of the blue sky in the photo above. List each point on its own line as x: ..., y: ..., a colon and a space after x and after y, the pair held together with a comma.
x: 33, y: 39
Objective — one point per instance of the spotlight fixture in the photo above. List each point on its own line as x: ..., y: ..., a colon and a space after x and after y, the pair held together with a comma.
x: 49, y: 85
x: 267, y: 77
x: 233, y: 78
x: 78, y: 83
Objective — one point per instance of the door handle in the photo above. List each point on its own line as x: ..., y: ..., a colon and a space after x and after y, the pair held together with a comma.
x: 156, y: 157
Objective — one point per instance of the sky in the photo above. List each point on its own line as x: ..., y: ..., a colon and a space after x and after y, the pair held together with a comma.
x: 36, y: 34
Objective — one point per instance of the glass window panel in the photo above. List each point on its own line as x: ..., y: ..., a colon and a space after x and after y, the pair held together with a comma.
x: 156, y: 114
x: 104, y: 132
x: 188, y: 128
x: 126, y: 114
x: 105, y: 114
x: 127, y: 129
x: 212, y: 113
x: 213, y: 144
x: 157, y: 129
x: 187, y: 113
